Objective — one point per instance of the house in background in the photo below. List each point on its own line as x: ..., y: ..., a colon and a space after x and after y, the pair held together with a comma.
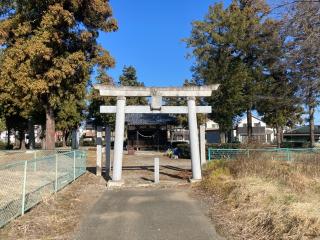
x: 212, y: 132
x: 14, y: 140
x: 4, y: 137
x: 300, y: 136
x: 260, y: 131
x: 178, y: 134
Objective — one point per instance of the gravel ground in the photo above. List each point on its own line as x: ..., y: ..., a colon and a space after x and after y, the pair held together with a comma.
x: 58, y: 216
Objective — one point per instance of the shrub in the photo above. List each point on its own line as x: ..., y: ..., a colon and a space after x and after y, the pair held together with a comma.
x: 59, y: 144
x: 184, y: 150
x: 3, y: 145
x: 295, y: 144
x: 225, y: 145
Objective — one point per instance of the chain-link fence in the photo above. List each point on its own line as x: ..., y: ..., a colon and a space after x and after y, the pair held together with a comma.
x: 23, y: 184
x: 9, y: 156
x: 284, y: 154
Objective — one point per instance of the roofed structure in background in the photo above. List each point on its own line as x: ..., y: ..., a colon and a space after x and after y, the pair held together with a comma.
x: 303, y: 130
x: 301, y: 134
x: 260, y: 131
x: 148, y: 131
x: 149, y: 119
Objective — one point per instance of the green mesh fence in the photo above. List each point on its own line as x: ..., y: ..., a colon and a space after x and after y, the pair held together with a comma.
x: 23, y: 184
x: 282, y: 154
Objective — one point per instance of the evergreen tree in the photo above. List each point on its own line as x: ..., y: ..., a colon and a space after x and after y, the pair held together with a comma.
x: 95, y: 101
x: 278, y: 101
x: 230, y: 45
x: 129, y: 78
x: 182, y: 119
x: 304, y: 55
x: 69, y: 116
x: 50, y: 49
x: 279, y: 105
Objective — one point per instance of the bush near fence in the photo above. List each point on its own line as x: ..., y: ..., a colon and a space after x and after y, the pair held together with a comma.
x: 284, y: 154
x: 295, y: 145
x: 24, y: 184
x: 185, y: 148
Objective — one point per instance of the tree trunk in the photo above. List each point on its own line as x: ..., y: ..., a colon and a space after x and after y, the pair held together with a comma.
x: 50, y: 129
x: 249, y: 125
x: 311, y: 125
x: 278, y: 129
x: 65, y: 138
x: 8, y: 126
x: 64, y: 133
x: 22, y: 142
x: 8, y: 140
x: 31, y: 134
x: 222, y: 137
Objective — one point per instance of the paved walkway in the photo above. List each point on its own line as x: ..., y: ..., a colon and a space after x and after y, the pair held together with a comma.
x: 147, y: 214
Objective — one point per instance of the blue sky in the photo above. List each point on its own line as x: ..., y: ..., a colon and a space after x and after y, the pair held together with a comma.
x: 150, y: 38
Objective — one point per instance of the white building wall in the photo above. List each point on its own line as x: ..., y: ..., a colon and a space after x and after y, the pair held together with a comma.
x: 256, y: 122
x: 211, y: 125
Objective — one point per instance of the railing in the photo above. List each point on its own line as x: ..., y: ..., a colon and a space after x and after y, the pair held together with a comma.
x: 23, y: 184
x: 284, y: 154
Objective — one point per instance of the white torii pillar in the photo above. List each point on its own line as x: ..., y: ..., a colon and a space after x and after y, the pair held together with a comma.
x: 118, y: 139
x: 194, y: 139
x: 156, y: 107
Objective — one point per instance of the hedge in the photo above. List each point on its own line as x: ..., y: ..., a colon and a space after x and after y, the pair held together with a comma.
x: 185, y: 148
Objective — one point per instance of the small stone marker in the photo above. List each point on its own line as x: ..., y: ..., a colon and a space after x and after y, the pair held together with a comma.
x: 99, y: 151
x: 156, y: 170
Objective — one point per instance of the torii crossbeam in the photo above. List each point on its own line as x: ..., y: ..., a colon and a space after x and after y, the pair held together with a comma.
x: 156, y: 94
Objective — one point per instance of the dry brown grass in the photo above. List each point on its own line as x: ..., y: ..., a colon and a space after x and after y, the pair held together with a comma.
x: 264, y: 199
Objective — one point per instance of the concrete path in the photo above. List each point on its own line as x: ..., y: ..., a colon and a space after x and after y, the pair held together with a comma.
x: 144, y: 214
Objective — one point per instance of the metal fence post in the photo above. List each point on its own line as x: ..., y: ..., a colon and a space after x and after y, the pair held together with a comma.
x: 74, y: 165
x: 288, y: 154
x: 209, y: 154
x: 56, y: 182
x: 24, y: 187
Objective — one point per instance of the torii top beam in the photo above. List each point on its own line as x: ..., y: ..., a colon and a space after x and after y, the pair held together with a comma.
x: 191, y: 91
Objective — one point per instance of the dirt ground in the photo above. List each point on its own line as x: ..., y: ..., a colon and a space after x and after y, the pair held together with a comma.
x: 138, y: 169
x: 7, y: 157
x: 58, y: 216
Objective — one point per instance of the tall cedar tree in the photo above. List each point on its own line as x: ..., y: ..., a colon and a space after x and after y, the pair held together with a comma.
x: 304, y: 55
x: 95, y: 101
x: 280, y: 105
x: 279, y: 102
x: 50, y: 49
x: 129, y: 78
x: 229, y: 46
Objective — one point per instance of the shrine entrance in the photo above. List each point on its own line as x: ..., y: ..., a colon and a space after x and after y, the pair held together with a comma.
x: 155, y: 107
x: 148, y: 131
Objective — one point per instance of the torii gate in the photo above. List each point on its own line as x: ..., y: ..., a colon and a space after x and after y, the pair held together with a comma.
x: 156, y: 94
